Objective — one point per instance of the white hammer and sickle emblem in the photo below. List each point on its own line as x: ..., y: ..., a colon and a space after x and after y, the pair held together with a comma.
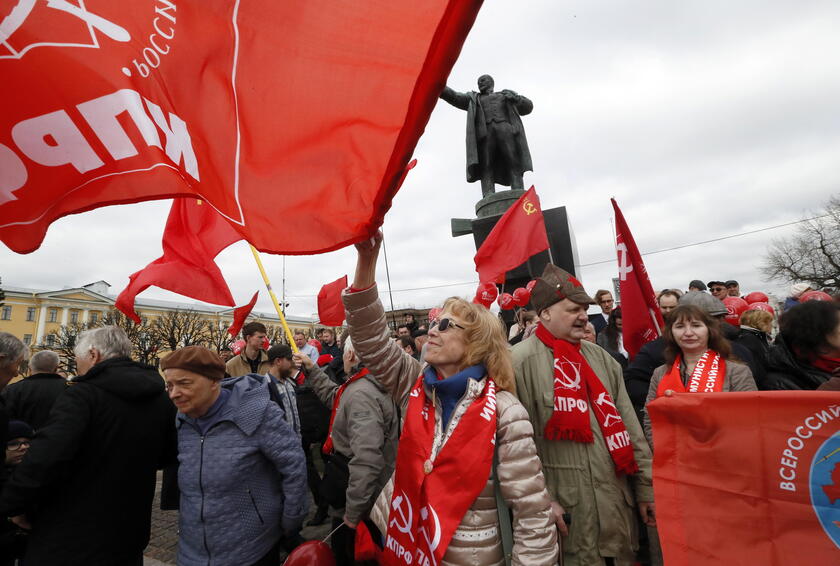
x: 570, y: 382
x: 397, y: 505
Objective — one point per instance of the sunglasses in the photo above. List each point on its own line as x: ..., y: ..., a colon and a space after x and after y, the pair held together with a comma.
x: 716, y: 289
x: 443, y: 324
x: 17, y: 444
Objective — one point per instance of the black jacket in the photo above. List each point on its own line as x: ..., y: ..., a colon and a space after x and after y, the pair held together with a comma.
x: 652, y: 355
x: 88, y: 480
x: 784, y: 371
x: 31, y: 399
x: 756, y: 342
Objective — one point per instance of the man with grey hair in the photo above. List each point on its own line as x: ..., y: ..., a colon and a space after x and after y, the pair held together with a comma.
x: 12, y: 354
x: 31, y: 399
x: 86, y: 485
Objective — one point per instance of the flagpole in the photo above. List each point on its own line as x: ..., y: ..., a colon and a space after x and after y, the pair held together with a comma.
x: 388, y: 277
x: 274, y: 299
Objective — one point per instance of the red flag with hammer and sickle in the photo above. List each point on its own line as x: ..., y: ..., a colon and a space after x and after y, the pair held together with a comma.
x: 262, y: 109
x: 519, y: 234
x: 641, y: 315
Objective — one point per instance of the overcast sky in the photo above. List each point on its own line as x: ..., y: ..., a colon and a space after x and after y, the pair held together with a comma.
x: 703, y: 119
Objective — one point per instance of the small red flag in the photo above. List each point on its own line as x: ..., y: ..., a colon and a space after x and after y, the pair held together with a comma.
x: 330, y: 307
x: 641, y: 315
x: 194, y: 235
x: 240, y: 314
x: 747, y: 478
x: 519, y: 234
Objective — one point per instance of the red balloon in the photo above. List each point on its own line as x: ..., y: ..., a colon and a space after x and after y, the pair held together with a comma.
x: 530, y: 285
x: 756, y: 297
x: 266, y: 344
x: 311, y: 553
x: 506, y: 301
x: 434, y: 313
x: 815, y: 296
x: 521, y: 297
x: 237, y: 347
x: 761, y: 307
x: 315, y: 344
x: 735, y: 306
x: 487, y: 293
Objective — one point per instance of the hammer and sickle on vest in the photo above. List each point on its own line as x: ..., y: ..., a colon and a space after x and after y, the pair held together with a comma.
x: 403, y: 526
x: 570, y: 382
x: 529, y: 207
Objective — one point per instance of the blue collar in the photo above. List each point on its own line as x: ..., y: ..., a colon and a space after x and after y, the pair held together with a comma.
x: 451, y: 389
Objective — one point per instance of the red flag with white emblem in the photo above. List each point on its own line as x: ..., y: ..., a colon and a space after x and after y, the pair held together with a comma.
x: 260, y: 108
x: 642, y: 320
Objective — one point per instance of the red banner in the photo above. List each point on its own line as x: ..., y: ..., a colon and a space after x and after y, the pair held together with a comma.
x: 747, y: 478
x: 240, y: 314
x: 330, y: 307
x: 639, y: 311
x: 519, y: 234
x: 259, y: 107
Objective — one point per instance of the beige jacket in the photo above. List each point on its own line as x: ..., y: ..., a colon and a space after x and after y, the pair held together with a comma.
x: 581, y: 477
x: 238, y: 365
x: 738, y: 377
x: 477, y: 539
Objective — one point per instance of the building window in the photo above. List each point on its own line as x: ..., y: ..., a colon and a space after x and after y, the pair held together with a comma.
x: 30, y: 314
x: 50, y: 340
x: 94, y: 317
x: 7, y: 313
x: 74, y: 317
x: 27, y: 339
x: 53, y: 315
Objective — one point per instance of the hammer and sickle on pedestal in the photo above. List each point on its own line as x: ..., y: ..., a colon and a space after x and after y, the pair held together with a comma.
x: 529, y: 207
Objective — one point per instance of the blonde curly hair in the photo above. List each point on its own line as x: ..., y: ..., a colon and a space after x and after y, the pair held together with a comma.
x: 485, y: 340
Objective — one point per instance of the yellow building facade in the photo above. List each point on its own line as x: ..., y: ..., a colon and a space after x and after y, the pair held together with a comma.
x: 35, y: 316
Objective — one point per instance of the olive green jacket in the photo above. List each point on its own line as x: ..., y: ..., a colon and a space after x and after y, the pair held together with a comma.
x: 581, y: 477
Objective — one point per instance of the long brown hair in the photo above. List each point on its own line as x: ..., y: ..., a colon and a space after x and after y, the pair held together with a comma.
x: 717, y: 342
x: 486, y: 341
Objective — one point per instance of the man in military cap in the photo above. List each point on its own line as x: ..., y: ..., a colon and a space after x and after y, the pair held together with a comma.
x: 596, y: 461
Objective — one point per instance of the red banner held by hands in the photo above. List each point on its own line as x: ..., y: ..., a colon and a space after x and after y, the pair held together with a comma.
x: 747, y: 478
x: 640, y: 313
x: 519, y: 234
x: 121, y: 102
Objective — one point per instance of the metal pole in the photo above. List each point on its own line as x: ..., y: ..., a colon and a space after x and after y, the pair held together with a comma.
x: 388, y: 277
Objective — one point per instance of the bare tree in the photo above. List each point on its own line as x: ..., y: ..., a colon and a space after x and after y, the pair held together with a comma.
x: 146, y: 341
x: 812, y: 254
x: 218, y: 337
x: 64, y: 342
x: 178, y: 328
x: 276, y: 334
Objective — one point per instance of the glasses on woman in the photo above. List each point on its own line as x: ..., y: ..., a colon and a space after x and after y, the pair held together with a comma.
x: 443, y: 324
x: 17, y: 444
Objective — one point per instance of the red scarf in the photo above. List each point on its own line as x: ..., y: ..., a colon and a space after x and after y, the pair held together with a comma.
x: 707, y: 376
x: 327, y: 448
x: 431, y: 498
x: 576, y: 387
x: 828, y: 365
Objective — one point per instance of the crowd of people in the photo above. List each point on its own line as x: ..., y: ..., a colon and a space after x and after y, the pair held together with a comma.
x: 455, y: 442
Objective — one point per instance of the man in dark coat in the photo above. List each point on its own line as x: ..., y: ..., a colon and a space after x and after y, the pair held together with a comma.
x: 87, y: 483
x: 12, y: 354
x: 31, y: 399
x: 497, y: 151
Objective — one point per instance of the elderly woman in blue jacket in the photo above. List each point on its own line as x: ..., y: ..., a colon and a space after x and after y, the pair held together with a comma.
x: 242, y: 473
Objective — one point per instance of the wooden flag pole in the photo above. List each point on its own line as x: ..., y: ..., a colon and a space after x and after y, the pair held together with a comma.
x: 274, y: 299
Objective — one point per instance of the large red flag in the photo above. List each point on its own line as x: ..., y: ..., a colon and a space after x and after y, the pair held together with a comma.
x: 255, y: 106
x: 747, y: 478
x: 639, y: 311
x: 519, y: 234
x: 330, y: 307
x: 194, y: 235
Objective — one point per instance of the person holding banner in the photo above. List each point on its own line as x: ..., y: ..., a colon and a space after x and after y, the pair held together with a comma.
x: 467, y: 452
x: 698, y: 359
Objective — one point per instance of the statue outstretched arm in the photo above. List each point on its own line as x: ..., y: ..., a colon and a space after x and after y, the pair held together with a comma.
x: 456, y: 99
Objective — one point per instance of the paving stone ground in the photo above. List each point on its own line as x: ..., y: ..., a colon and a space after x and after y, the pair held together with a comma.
x: 163, y: 545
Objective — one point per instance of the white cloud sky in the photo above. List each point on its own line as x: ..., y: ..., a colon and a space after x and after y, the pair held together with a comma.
x: 702, y: 119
